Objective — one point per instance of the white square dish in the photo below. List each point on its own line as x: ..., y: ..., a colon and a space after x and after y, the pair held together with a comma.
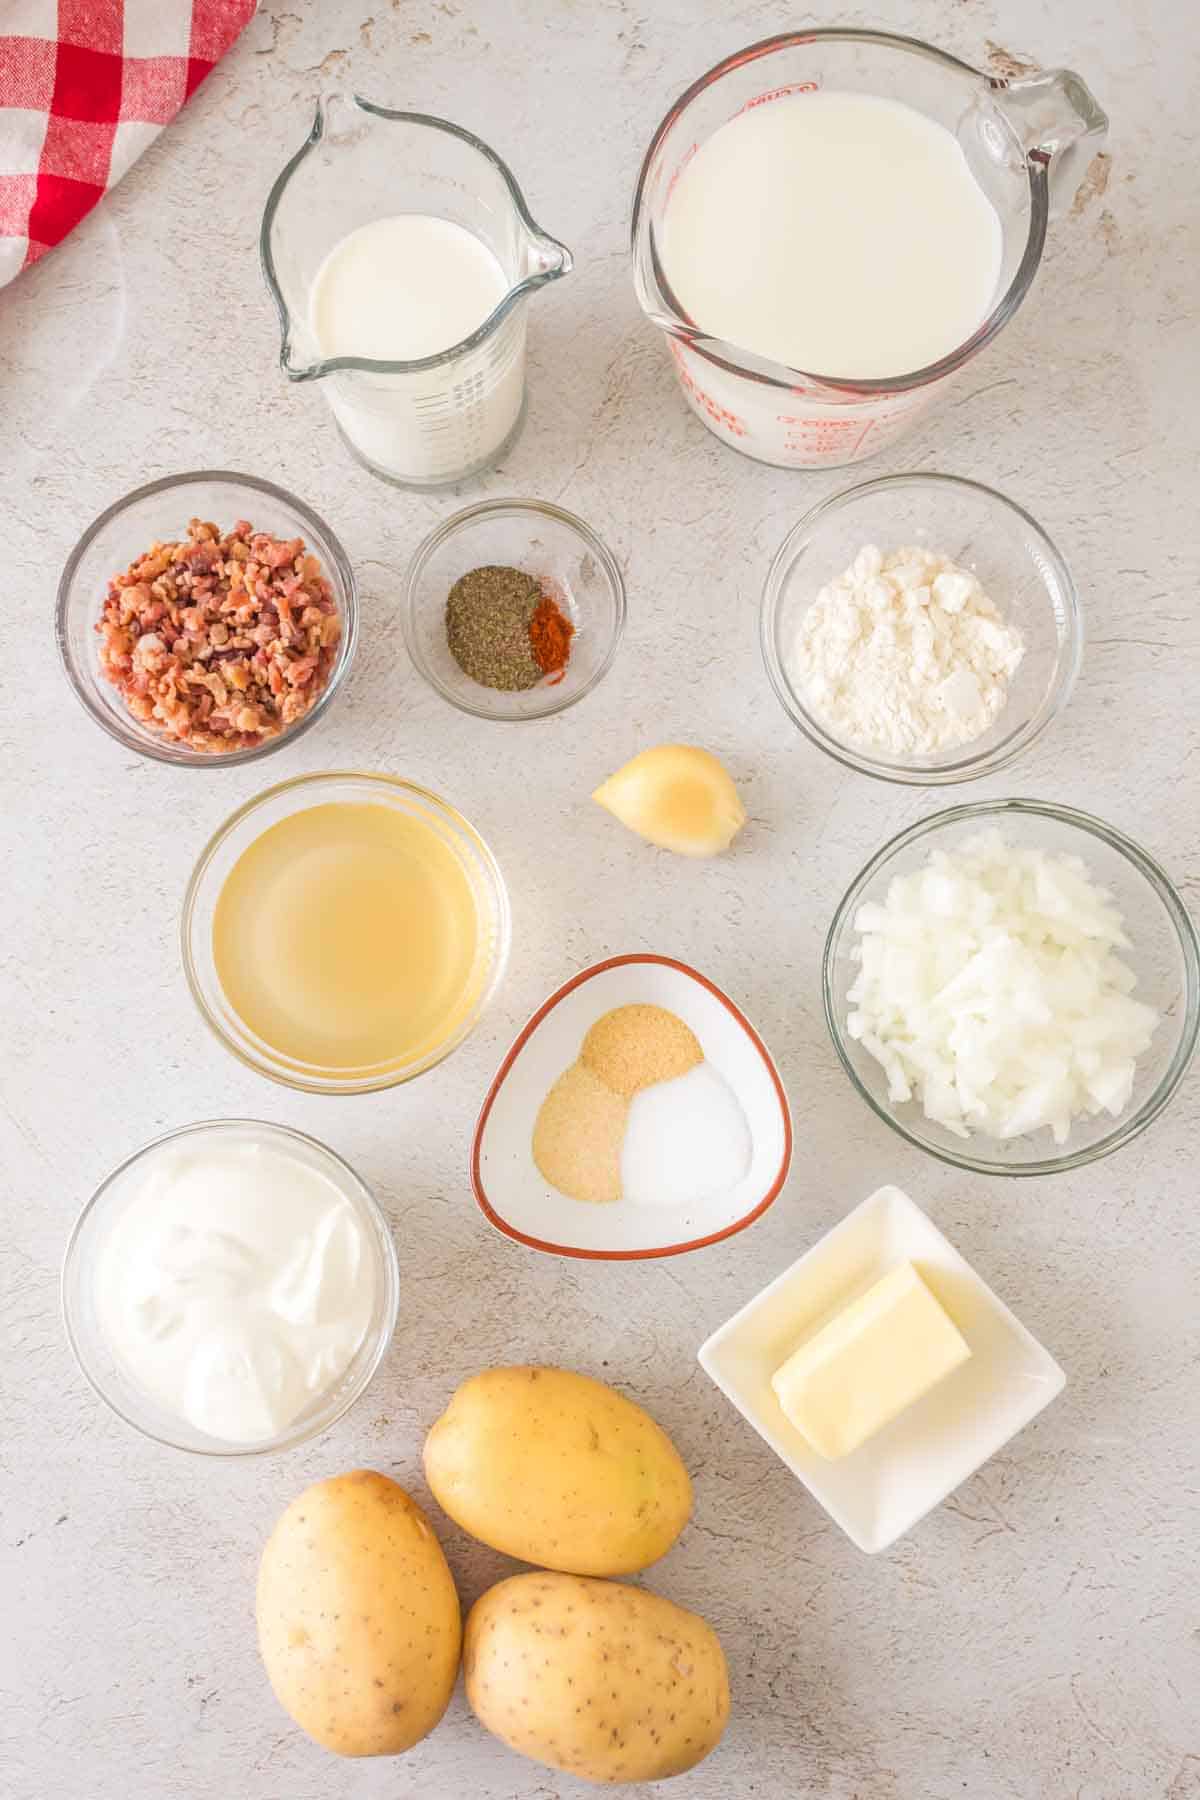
x: 915, y: 1462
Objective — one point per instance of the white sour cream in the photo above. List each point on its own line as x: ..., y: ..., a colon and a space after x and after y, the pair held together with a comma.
x: 235, y: 1286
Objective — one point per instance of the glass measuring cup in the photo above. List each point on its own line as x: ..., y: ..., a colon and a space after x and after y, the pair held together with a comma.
x: 1027, y: 142
x: 438, y: 419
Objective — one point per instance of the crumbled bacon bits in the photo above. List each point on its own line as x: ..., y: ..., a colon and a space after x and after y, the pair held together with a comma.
x: 220, y: 642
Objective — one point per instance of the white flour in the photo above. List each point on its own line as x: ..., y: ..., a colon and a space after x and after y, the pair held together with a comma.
x: 904, y: 653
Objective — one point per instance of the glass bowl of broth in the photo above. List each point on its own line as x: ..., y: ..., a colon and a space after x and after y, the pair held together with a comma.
x: 344, y: 932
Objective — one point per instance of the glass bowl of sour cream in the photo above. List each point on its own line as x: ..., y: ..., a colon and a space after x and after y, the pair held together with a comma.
x: 231, y: 1288
x: 906, y: 676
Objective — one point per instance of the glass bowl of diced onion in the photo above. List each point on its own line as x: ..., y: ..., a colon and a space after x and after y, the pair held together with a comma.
x: 1020, y: 1039
x: 984, y: 534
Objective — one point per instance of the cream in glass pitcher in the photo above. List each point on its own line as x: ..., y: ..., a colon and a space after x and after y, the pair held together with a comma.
x: 401, y: 254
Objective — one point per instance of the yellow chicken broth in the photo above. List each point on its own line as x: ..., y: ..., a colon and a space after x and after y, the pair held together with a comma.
x: 348, y: 937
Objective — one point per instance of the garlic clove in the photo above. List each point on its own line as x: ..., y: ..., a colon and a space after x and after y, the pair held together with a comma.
x: 678, y: 797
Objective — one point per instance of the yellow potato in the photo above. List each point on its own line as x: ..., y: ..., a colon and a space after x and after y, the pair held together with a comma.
x: 559, y: 1470
x: 359, y: 1624
x: 602, y: 1681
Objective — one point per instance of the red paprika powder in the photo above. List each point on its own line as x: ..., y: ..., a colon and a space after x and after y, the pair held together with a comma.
x: 550, y: 634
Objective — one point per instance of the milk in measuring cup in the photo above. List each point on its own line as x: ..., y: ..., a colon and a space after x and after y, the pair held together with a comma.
x: 838, y: 233
x: 399, y: 289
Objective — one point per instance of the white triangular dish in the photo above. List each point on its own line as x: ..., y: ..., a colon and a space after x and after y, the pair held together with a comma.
x: 518, y: 1200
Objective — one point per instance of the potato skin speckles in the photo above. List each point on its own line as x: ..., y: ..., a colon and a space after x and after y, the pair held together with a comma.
x: 359, y: 1624
x: 611, y: 1705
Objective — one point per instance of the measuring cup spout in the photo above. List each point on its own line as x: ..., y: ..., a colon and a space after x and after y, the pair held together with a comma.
x: 1059, y: 124
x: 546, y: 258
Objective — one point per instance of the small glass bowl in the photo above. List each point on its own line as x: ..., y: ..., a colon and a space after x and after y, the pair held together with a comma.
x: 1164, y: 954
x: 258, y: 815
x: 1020, y: 570
x: 556, y: 548
x: 160, y: 512
x: 107, y: 1374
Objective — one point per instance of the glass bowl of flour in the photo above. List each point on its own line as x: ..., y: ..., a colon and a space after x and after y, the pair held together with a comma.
x: 921, y: 629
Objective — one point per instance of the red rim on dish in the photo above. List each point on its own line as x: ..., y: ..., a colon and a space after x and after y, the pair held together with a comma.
x: 533, y: 1243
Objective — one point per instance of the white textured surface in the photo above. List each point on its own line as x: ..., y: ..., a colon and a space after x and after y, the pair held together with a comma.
x: 1037, y: 1637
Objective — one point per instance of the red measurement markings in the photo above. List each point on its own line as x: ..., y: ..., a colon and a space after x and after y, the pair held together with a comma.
x: 816, y: 440
x: 795, y: 87
x: 684, y: 160
x: 720, y: 415
x: 836, y: 425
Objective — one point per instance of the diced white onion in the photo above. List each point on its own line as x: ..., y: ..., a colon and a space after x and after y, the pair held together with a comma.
x: 989, y: 988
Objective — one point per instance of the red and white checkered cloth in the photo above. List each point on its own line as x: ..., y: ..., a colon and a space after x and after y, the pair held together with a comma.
x: 85, y: 85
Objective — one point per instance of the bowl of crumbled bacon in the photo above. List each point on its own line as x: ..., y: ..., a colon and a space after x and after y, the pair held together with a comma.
x: 206, y: 618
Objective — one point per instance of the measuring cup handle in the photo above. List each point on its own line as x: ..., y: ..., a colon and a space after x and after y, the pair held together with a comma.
x: 1059, y: 123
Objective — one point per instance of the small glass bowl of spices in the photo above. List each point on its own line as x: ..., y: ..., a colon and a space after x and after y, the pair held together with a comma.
x: 513, y: 609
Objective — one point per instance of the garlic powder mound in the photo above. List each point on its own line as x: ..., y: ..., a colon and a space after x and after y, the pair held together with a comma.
x: 633, y: 1046
x: 578, y: 1135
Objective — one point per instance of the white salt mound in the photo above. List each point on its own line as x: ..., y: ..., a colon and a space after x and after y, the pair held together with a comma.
x: 687, y: 1140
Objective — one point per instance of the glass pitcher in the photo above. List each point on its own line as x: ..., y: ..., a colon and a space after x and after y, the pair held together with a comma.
x: 439, y: 419
x: 1026, y: 141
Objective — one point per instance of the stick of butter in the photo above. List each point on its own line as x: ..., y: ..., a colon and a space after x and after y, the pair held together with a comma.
x: 873, y: 1360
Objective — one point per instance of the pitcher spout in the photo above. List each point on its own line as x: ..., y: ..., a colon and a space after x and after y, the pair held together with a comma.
x: 1058, y: 122
x: 546, y: 258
